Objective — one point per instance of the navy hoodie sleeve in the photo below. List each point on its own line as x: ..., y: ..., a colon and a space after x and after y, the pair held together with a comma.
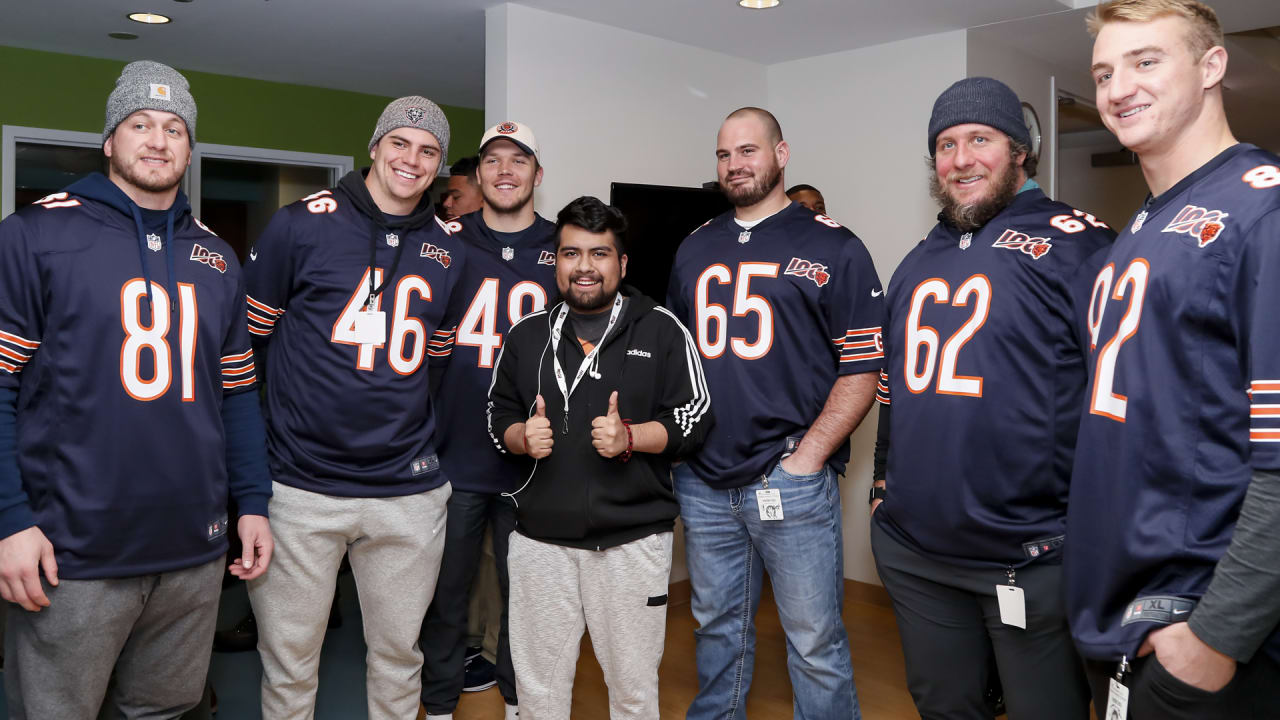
x: 685, y: 404
x: 248, y: 480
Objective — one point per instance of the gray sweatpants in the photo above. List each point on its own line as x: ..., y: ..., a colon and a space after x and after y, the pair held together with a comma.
x: 618, y: 594
x: 394, y: 545
x: 153, y: 631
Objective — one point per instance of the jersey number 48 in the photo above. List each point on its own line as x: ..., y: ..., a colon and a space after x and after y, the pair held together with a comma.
x: 479, y: 325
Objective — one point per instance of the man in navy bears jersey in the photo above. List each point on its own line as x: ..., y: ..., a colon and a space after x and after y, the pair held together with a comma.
x: 785, y: 306
x: 1173, y: 588
x: 127, y: 413
x: 604, y: 391
x: 346, y: 298
x: 984, y: 366
x: 510, y: 272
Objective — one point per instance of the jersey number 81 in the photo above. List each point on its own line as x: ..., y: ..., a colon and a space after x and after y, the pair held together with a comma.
x: 153, y: 339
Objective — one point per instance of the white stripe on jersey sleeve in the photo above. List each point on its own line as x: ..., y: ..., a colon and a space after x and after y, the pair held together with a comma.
x: 1264, y: 416
x: 15, y: 351
x: 441, y: 342
x: 238, y: 370
x: 262, y: 317
x: 860, y: 344
x: 882, y: 389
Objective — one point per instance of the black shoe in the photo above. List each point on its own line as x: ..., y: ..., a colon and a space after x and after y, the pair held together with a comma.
x: 994, y: 697
x: 241, y: 637
x: 478, y: 674
x: 472, y: 652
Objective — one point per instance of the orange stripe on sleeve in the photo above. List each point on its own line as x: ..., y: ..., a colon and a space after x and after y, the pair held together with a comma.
x: 20, y: 342
x: 263, y: 307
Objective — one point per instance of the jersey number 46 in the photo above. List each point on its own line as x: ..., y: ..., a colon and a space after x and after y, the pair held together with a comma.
x: 402, y: 325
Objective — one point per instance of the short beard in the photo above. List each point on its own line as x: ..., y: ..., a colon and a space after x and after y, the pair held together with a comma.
x: 601, y: 301
x: 143, y: 182
x: 975, y: 215
x: 752, y: 194
x: 515, y: 208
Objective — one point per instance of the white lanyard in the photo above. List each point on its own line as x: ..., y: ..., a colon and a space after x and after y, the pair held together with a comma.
x: 565, y: 392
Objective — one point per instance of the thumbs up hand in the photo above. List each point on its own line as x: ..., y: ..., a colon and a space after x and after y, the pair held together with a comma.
x: 608, y: 433
x: 538, y: 437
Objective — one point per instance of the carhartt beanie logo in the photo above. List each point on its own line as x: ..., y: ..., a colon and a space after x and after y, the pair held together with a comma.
x: 149, y: 85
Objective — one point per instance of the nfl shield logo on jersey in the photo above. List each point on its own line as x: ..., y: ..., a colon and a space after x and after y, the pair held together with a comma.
x: 744, y: 237
x: 966, y: 240
x: 508, y: 253
x: 153, y: 242
x: 393, y: 239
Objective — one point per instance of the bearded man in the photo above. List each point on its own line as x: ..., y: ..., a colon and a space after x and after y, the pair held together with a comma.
x: 984, y: 365
x: 763, y: 492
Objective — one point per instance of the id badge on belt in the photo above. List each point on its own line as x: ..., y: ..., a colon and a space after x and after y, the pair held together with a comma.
x: 769, y: 501
x: 1117, y: 693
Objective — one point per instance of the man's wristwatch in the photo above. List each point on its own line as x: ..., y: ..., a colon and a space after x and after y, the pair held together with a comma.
x: 877, y: 493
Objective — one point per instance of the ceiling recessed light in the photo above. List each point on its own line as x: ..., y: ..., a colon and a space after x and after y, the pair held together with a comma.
x: 148, y: 18
x: 122, y: 36
x: 759, y: 4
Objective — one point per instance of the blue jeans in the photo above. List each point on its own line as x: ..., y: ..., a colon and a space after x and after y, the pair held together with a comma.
x: 727, y: 547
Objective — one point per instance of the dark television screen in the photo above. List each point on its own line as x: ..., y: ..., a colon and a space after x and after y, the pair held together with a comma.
x: 659, y: 217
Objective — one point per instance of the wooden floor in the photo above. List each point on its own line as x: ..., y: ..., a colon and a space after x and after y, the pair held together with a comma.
x: 873, y: 636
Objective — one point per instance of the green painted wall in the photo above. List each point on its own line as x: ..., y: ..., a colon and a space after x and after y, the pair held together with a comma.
x: 69, y: 92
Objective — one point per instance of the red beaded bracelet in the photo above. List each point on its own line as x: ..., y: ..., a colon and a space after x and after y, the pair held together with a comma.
x: 625, y: 456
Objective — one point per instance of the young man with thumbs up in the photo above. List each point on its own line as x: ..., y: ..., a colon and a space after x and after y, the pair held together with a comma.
x: 603, y: 390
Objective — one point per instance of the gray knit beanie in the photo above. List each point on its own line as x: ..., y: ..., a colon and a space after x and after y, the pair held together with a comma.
x: 149, y: 85
x: 418, y: 112
x: 978, y: 100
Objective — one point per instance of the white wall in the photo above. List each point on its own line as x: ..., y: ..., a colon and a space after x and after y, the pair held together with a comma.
x: 1112, y: 194
x: 858, y: 123
x: 608, y: 104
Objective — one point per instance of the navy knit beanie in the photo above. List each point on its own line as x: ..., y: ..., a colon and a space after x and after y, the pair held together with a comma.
x: 978, y: 100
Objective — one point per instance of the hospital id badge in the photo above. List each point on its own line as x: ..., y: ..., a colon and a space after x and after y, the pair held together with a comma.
x: 1117, y: 700
x: 1013, y: 605
x: 370, y: 327
x: 770, y: 503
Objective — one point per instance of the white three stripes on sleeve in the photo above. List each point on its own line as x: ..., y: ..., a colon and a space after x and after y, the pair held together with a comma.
x: 690, y: 413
